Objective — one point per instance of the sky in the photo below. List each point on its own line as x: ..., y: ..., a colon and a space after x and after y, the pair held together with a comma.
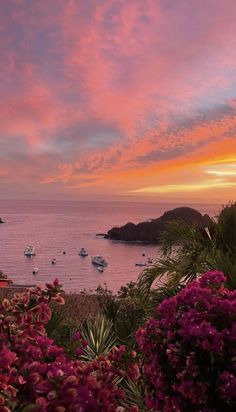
x: 118, y: 100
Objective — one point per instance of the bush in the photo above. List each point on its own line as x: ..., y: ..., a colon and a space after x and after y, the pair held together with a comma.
x: 189, y: 349
x: 37, y: 375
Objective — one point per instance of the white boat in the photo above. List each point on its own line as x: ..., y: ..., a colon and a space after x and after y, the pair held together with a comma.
x: 35, y: 271
x: 29, y: 250
x: 99, y: 261
x: 83, y: 252
x: 140, y: 264
x: 100, y: 268
x: 2, y: 220
x: 53, y: 261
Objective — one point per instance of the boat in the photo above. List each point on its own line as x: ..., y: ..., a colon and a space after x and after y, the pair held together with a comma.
x: 4, y: 281
x: 35, y: 271
x: 83, y: 252
x: 29, y: 250
x: 99, y: 261
x: 53, y: 261
x: 100, y: 268
x: 2, y: 220
x: 140, y: 264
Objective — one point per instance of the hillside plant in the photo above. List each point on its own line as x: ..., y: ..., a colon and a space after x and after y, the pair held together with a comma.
x: 189, y: 349
x: 189, y: 250
x: 37, y: 375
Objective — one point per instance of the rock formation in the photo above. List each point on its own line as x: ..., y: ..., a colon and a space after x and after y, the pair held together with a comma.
x: 150, y: 230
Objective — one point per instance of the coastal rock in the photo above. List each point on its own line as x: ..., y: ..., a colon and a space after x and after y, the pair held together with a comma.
x: 150, y: 230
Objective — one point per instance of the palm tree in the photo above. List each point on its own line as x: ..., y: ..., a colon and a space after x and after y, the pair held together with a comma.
x: 189, y: 250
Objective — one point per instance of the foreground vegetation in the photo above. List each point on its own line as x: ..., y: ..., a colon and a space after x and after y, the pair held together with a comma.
x: 145, y: 349
x: 183, y: 358
x: 189, y: 250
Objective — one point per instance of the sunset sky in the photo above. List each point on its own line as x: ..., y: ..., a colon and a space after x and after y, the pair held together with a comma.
x: 118, y: 99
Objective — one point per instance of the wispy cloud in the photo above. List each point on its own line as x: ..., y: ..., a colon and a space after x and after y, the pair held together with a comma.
x: 103, y: 95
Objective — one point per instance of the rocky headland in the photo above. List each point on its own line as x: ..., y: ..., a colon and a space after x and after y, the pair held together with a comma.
x: 150, y: 231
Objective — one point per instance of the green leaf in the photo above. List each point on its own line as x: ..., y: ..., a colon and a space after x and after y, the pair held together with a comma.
x: 98, y: 332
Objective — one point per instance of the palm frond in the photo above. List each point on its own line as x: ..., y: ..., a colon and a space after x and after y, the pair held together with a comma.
x: 189, y: 250
x: 165, y: 291
x: 111, y: 308
x: 226, y: 240
x: 219, y: 260
x: 172, y: 270
x: 160, y: 269
x: 183, y: 235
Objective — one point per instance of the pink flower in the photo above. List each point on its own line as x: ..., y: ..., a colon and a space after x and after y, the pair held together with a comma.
x: 45, y: 313
x: 188, y: 346
x: 6, y: 358
x: 134, y: 372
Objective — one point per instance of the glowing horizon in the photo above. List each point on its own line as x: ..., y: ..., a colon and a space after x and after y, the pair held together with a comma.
x: 118, y: 100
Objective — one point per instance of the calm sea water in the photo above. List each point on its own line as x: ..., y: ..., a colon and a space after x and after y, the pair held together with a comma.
x: 57, y: 226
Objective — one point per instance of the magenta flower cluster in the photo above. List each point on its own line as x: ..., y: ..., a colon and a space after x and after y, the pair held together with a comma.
x: 37, y: 375
x: 189, y: 349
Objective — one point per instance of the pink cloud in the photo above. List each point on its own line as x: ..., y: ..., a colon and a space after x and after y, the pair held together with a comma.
x: 158, y: 72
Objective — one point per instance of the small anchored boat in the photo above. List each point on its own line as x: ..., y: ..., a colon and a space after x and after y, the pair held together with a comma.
x: 2, y: 220
x: 140, y: 264
x: 35, y: 271
x: 29, y: 251
x: 99, y: 261
x: 53, y: 261
x: 83, y: 252
x: 100, y: 268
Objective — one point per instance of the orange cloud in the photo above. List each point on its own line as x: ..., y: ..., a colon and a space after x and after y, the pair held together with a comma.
x: 156, y: 80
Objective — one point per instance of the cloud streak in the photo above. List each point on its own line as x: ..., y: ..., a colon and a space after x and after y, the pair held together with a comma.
x: 99, y: 95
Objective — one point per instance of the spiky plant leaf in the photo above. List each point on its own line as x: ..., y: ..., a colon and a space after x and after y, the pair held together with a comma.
x: 134, y: 394
x: 98, y: 332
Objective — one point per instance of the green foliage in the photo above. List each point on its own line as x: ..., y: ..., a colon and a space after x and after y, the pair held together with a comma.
x: 98, y: 333
x: 135, y: 394
x: 111, y: 308
x: 190, y: 250
x: 129, y: 290
x: 131, y: 314
x: 127, y: 310
x: 62, y: 335
x: 54, y: 323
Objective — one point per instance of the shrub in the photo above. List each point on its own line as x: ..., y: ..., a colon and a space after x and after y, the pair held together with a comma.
x: 189, y: 349
x: 37, y: 375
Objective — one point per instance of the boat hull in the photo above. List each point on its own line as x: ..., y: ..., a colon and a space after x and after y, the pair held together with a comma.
x: 99, y: 261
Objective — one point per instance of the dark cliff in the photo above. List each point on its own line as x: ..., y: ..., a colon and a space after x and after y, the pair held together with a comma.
x: 150, y: 230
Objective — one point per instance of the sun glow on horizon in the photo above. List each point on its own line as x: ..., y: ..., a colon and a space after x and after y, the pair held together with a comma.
x: 228, y: 169
x: 195, y: 187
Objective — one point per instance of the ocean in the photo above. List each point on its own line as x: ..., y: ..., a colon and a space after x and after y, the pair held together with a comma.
x: 57, y: 226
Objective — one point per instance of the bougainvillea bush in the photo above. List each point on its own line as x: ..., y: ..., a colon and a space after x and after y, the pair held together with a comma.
x: 37, y: 375
x: 189, y: 349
